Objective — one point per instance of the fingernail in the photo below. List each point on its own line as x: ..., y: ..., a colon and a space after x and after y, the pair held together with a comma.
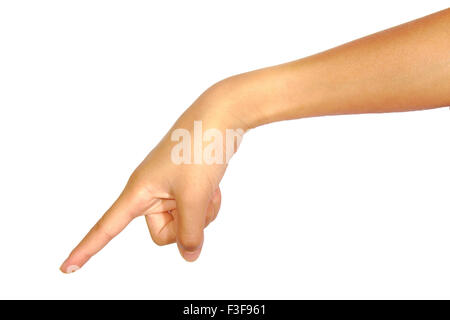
x: 72, y: 269
x: 191, y: 255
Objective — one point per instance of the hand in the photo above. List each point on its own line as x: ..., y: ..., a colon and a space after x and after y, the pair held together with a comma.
x: 180, y: 200
x: 177, y: 200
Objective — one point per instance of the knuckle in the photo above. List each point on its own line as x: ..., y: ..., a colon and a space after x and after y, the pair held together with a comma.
x: 136, y: 192
x: 158, y: 240
x: 137, y: 197
x: 100, y: 228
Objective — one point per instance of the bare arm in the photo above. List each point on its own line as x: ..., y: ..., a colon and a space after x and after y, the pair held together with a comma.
x: 400, y: 69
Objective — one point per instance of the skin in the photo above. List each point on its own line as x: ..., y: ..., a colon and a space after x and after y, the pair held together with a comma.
x: 400, y: 69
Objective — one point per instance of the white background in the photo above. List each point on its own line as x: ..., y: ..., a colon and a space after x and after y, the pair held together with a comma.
x: 334, y: 207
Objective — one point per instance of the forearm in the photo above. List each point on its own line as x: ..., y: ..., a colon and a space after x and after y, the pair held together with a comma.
x: 399, y: 69
x: 404, y: 68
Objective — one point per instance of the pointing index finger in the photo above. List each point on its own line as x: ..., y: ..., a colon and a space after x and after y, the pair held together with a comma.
x: 110, y: 225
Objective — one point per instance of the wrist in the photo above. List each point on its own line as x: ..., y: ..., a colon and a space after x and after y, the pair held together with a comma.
x: 262, y: 96
x: 224, y: 105
x: 256, y: 98
x: 237, y: 101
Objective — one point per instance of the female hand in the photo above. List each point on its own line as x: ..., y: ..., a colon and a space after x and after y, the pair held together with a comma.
x: 177, y: 199
x: 400, y: 69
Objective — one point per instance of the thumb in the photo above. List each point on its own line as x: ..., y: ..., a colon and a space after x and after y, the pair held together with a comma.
x: 190, y: 222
